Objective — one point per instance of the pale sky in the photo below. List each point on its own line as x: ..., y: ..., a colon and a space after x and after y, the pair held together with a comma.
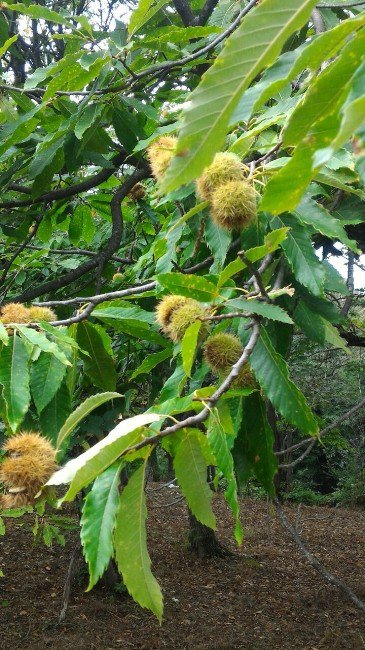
x: 340, y: 264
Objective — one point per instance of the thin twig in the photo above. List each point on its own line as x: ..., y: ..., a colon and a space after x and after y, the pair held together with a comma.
x: 314, y: 562
x: 153, y: 70
x: 256, y: 274
x: 234, y: 314
x: 312, y: 441
x: 194, y: 420
x: 342, y: 5
x: 72, y: 251
x: 68, y: 583
x: 29, y: 237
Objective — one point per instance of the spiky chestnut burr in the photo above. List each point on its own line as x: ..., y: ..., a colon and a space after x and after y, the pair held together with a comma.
x: 233, y: 205
x: 14, y: 312
x: 224, y: 168
x: 160, y: 153
x: 29, y: 463
x: 166, y: 307
x: 41, y: 313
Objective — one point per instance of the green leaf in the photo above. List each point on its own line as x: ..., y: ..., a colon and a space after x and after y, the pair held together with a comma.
x: 3, y: 334
x: 88, y: 467
x: 253, y: 450
x: 188, y: 215
x: 217, y: 439
x: 333, y: 337
x: 299, y: 252
x: 82, y: 470
x: 75, y: 227
x: 88, y: 117
x: 272, y: 242
x: 98, y: 521
x: 174, y: 384
x: 46, y: 377
x: 246, y: 53
x: 285, y: 189
x: 334, y: 280
x: 37, y: 11
x: 309, y: 322
x: 314, y: 214
x: 16, y: 131
x: 7, y: 44
x: 73, y: 77
x: 132, y: 321
x: 81, y: 412
x: 174, y: 34
x: 218, y: 240
x: 273, y: 312
x: 191, y: 473
x: 324, y: 95
x: 352, y: 118
x: 41, y: 341
x: 151, y: 362
x: 130, y: 540
x: 192, y: 286
x: 271, y: 372
x: 48, y: 159
x: 99, y: 364
x: 126, y: 125
x: 320, y: 306
x: 54, y: 415
x: 290, y: 64
x: 88, y: 224
x: 14, y: 377
x: 329, y: 177
x: 188, y: 346
x: 145, y: 10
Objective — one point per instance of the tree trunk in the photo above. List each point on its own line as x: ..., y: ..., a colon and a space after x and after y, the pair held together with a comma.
x: 279, y: 478
x: 203, y: 540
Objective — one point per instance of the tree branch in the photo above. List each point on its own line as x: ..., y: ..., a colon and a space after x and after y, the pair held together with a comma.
x: 194, y: 420
x: 341, y: 5
x: 73, y: 251
x: 28, y: 238
x: 350, y: 282
x: 155, y: 69
x: 313, y: 441
x: 112, y: 246
x: 314, y: 562
x: 113, y: 295
x: 87, y: 184
x: 206, y: 11
x: 185, y: 12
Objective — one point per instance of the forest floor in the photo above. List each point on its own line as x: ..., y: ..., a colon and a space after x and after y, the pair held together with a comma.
x: 264, y: 597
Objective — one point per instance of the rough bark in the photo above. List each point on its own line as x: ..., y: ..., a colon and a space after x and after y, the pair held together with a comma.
x: 203, y: 540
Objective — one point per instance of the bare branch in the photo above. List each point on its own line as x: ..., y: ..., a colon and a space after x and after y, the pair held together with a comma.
x: 72, y: 251
x: 112, y: 246
x: 314, y: 562
x: 29, y: 237
x: 318, y: 22
x: 206, y: 11
x: 194, y: 420
x: 350, y: 282
x: 255, y: 274
x: 185, y: 12
x: 155, y: 69
x: 312, y: 441
x: 87, y: 184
